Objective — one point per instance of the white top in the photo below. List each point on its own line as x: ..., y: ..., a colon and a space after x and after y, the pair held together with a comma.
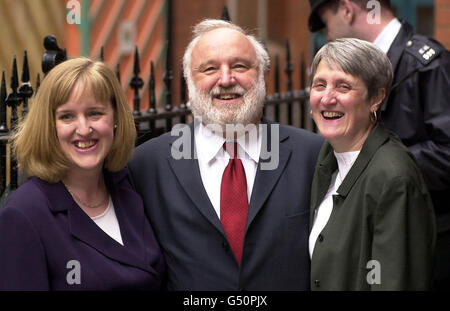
x: 322, y: 214
x: 387, y: 36
x: 107, y: 221
x: 212, y: 160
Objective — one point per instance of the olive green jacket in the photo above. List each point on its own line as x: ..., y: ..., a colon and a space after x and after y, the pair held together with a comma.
x: 381, y: 232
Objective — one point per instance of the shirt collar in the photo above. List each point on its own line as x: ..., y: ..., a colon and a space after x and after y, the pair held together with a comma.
x: 345, y: 161
x: 209, y: 145
x: 387, y: 36
x: 251, y: 143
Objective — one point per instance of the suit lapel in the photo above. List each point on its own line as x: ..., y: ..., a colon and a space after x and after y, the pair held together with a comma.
x: 188, y: 174
x: 131, y: 253
x: 325, y: 168
x: 132, y: 222
x: 376, y: 138
x: 84, y: 229
x: 266, y: 179
x: 326, y: 165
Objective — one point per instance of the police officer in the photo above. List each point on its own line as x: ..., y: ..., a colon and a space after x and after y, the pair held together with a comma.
x: 418, y: 107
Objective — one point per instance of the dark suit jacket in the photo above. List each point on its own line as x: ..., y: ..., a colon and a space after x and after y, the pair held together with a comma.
x: 43, y: 232
x: 198, y: 256
x: 382, y: 212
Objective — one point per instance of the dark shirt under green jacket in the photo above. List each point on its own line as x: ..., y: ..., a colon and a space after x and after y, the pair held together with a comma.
x: 381, y: 233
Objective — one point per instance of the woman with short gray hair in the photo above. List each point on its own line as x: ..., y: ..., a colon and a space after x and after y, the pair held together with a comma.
x: 372, y: 223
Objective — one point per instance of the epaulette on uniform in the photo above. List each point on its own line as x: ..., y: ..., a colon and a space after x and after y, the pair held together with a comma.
x: 424, y: 49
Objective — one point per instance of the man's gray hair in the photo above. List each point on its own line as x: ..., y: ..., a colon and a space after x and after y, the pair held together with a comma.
x: 208, y: 25
x: 358, y: 58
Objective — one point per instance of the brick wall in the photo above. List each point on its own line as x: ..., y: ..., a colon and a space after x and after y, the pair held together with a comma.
x: 442, y: 22
x: 185, y: 15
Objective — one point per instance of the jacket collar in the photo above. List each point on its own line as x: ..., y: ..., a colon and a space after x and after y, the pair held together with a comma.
x: 395, y: 54
x: 399, y: 45
x: 328, y: 164
x: 376, y: 138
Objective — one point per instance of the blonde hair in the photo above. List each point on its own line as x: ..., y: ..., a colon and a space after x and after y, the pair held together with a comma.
x: 35, y: 143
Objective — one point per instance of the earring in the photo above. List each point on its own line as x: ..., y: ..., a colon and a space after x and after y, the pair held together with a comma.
x: 115, y: 126
x: 374, y: 117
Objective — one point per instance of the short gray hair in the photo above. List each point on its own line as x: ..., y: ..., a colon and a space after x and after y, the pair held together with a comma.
x: 208, y: 25
x: 358, y: 58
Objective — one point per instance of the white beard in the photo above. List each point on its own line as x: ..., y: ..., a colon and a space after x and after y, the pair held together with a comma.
x: 249, y: 112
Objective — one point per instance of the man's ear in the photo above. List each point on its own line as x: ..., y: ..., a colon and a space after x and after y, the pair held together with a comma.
x: 347, y: 9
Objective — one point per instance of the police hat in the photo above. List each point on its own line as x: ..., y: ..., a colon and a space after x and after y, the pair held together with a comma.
x: 315, y: 23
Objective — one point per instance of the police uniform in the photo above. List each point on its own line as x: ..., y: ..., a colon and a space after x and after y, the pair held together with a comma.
x: 418, y: 111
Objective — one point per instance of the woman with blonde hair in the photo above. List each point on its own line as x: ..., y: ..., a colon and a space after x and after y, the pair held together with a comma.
x: 77, y: 223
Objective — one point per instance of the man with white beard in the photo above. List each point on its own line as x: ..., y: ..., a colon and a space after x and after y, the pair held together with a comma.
x: 229, y: 199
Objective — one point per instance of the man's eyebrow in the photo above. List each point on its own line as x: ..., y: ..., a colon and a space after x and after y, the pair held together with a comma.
x: 243, y: 60
x: 205, y: 64
x: 233, y: 60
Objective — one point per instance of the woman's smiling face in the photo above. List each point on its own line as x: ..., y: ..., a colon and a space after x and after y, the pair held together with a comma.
x: 85, y: 129
x: 340, y: 107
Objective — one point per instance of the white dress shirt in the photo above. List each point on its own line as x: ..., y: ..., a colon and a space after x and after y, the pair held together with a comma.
x: 213, y: 159
x: 387, y: 36
x: 322, y: 214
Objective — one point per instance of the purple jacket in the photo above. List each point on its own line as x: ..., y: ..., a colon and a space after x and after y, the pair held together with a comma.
x: 48, y: 243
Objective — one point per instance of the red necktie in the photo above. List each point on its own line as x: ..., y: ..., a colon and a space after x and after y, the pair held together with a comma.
x: 234, y: 202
